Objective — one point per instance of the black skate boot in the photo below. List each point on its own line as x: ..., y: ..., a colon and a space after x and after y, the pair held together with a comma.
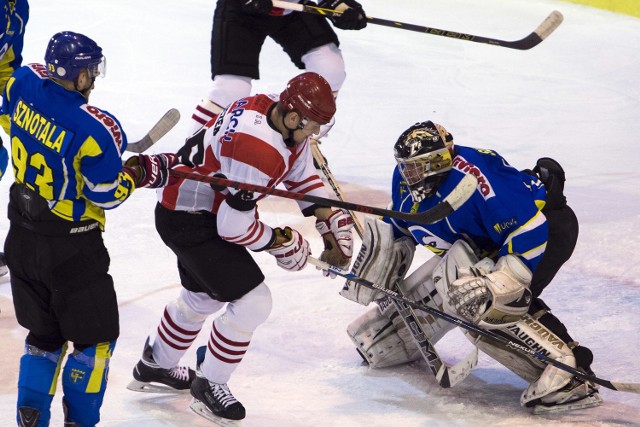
x: 151, y: 378
x: 28, y: 417
x: 215, y: 401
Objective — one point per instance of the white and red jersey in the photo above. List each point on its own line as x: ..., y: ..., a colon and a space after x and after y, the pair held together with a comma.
x: 244, y: 146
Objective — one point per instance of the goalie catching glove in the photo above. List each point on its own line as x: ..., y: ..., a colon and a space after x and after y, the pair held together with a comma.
x: 293, y: 253
x: 491, y: 299
x: 336, y: 232
x: 151, y: 171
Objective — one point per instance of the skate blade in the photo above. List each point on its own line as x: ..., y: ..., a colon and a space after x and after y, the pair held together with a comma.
x: 587, y: 402
x: 143, y: 387
x: 201, y: 409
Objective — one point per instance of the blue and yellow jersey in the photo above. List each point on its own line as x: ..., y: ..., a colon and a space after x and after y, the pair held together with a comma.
x: 502, y: 217
x: 14, y: 15
x: 63, y: 148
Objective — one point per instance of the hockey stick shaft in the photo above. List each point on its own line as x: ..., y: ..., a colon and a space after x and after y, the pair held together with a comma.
x: 519, y: 348
x: 543, y: 30
x: 324, y: 167
x: 446, y: 376
x: 458, y: 196
x: 160, y: 129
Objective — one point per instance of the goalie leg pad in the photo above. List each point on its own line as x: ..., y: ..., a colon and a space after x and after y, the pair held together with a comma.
x: 419, y: 286
x: 378, y: 341
x: 527, y: 368
x: 382, y: 260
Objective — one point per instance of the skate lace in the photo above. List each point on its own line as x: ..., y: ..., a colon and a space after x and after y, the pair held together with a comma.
x: 180, y: 372
x: 223, y: 395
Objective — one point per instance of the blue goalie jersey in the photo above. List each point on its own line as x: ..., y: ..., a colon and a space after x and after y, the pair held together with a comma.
x: 503, y: 216
x: 66, y: 150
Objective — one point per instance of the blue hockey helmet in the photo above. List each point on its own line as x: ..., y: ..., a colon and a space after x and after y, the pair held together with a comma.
x: 68, y: 53
x: 424, y: 156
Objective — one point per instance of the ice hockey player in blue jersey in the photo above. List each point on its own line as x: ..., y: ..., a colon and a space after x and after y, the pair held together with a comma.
x: 66, y: 157
x: 13, y: 19
x: 494, y: 256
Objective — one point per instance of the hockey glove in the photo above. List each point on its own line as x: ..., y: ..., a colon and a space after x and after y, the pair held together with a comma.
x: 257, y: 7
x: 291, y: 255
x: 352, y: 17
x: 338, y: 239
x: 493, y: 300
x: 151, y: 171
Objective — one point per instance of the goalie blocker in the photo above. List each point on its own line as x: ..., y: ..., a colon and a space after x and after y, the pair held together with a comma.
x: 382, y: 339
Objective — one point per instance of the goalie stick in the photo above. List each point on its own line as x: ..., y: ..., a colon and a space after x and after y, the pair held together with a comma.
x: 160, y: 129
x: 543, y: 30
x: 518, y: 348
x: 465, y: 188
x: 446, y: 376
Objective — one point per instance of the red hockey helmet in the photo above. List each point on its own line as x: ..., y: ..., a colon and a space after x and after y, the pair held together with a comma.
x: 310, y: 95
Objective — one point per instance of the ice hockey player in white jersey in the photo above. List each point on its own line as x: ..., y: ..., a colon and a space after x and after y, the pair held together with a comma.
x: 263, y: 140
x: 494, y: 256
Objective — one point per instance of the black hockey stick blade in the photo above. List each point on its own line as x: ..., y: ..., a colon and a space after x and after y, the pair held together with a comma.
x: 518, y: 348
x: 460, y: 194
x: 544, y: 29
x: 160, y: 129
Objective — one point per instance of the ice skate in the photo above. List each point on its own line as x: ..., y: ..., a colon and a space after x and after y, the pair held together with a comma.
x: 578, y: 394
x: 215, y: 402
x: 151, y: 378
x: 28, y: 417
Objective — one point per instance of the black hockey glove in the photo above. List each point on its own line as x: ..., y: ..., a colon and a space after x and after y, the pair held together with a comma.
x: 151, y: 171
x: 352, y: 17
x: 257, y: 7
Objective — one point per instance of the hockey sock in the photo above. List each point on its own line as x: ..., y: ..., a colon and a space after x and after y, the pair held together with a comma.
x: 84, y: 381
x: 37, y: 380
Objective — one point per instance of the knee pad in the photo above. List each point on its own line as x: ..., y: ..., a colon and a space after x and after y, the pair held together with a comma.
x: 227, y: 88
x: 327, y: 61
x: 193, y: 307
x: 84, y: 381
x: 250, y: 311
x: 37, y: 380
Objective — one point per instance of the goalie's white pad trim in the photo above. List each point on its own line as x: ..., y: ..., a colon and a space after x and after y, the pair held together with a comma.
x: 382, y: 260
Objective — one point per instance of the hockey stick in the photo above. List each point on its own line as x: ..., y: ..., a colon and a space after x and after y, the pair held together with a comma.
x: 160, y: 129
x: 324, y: 167
x: 543, y: 30
x: 519, y: 348
x: 465, y: 188
x: 446, y: 376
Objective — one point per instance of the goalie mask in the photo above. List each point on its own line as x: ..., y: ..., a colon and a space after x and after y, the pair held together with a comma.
x: 423, y: 153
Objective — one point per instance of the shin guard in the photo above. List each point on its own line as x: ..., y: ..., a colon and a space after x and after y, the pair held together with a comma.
x: 37, y: 382
x: 84, y: 382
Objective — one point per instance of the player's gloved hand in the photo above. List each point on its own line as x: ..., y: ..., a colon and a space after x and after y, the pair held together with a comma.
x: 151, y: 171
x: 292, y: 255
x: 495, y: 299
x: 257, y: 7
x: 336, y: 231
x: 352, y: 17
